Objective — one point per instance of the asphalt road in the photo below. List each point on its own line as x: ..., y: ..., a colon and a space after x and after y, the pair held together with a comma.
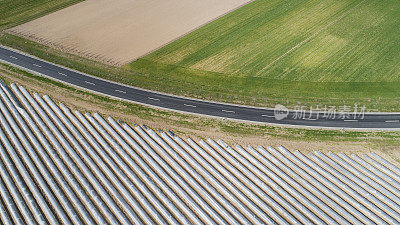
x: 335, y: 119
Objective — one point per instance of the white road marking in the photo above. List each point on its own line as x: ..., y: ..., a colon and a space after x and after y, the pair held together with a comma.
x: 121, y: 91
x: 155, y: 99
x: 90, y: 83
x: 228, y: 111
x: 268, y: 116
x: 190, y: 105
x: 62, y: 74
x: 13, y: 57
x: 350, y: 120
x: 392, y: 121
x: 37, y: 65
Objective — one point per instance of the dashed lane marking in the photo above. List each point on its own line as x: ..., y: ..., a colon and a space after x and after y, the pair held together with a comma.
x: 62, y: 74
x: 13, y: 57
x: 154, y: 99
x: 37, y: 65
x: 121, y: 91
x: 90, y: 83
x: 350, y: 120
x: 392, y: 121
x: 228, y: 111
x: 193, y: 106
x: 268, y: 116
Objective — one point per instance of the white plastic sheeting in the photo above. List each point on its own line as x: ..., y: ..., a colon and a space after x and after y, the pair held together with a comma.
x: 63, y: 167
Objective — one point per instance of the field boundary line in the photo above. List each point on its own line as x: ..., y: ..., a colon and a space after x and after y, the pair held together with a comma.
x: 311, y: 37
x: 190, y: 31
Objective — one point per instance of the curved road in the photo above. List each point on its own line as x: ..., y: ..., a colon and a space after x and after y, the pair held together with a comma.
x: 335, y: 120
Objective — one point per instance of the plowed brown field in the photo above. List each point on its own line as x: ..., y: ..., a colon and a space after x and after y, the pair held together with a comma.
x: 119, y: 31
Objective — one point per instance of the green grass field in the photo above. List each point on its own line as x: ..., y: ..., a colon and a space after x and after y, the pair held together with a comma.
x: 297, y: 40
x: 15, y: 12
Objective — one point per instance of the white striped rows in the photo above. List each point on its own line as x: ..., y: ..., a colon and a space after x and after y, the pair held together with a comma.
x: 64, y: 167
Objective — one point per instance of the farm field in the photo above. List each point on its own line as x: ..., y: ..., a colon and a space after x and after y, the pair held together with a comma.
x: 117, y: 32
x: 103, y: 145
x: 15, y: 12
x: 297, y: 40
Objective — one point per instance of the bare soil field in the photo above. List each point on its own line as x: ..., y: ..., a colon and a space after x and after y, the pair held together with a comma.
x: 118, y: 31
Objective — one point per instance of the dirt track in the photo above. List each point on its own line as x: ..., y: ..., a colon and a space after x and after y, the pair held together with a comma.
x: 119, y: 31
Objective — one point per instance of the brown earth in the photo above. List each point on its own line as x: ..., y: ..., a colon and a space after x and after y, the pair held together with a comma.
x: 119, y: 31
